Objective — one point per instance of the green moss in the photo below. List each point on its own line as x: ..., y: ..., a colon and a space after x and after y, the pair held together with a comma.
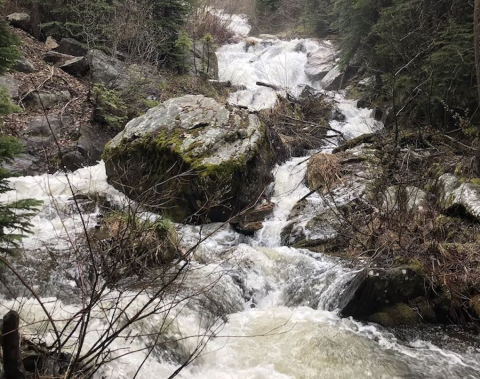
x: 398, y: 314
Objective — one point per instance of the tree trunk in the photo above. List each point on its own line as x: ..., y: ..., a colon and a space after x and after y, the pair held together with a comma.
x: 476, y: 32
x: 12, y: 361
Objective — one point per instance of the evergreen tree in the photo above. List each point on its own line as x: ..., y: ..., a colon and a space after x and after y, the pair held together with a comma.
x: 14, y: 216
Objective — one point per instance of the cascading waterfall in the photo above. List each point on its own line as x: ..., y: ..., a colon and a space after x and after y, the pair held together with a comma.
x: 281, y: 302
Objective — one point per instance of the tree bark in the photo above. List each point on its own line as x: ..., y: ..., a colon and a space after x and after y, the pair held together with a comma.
x: 476, y: 33
x: 12, y: 361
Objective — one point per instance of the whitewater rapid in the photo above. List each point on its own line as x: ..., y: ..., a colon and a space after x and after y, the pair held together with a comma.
x: 270, y: 311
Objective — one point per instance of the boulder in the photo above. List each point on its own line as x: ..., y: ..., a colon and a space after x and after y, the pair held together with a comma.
x: 458, y: 197
x: 106, y: 69
x: 11, y: 84
x: 375, y: 289
x: 313, y: 232
x: 59, y: 59
x: 203, y: 60
x: 77, y: 67
x: 251, y: 220
x: 320, y: 62
x: 192, y: 158
x: 40, y: 126
x: 332, y: 80
x: 71, y: 46
x: 24, y: 65
x: 48, y: 99
x: 20, y: 20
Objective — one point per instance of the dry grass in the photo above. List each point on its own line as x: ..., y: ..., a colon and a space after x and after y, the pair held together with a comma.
x: 323, y: 172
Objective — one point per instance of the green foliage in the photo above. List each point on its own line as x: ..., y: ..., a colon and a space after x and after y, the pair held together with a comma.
x: 14, y: 216
x: 110, y: 109
x: 183, y: 46
x: 8, y: 48
x: 6, y: 105
x: 420, y: 52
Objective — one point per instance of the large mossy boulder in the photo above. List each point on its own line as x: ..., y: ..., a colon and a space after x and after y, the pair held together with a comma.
x: 192, y: 158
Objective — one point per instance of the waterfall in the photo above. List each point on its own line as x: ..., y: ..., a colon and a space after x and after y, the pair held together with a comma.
x: 272, y: 310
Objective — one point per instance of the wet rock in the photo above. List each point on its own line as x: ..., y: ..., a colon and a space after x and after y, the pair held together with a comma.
x: 73, y: 160
x: 71, y: 46
x: 267, y: 36
x: 457, y: 197
x: 203, y: 159
x: 363, y: 103
x: 376, y: 289
x: 24, y: 65
x: 332, y: 80
x: 337, y: 115
x: 378, y: 114
x: 203, y: 60
x: 20, y: 20
x: 396, y: 315
x: 48, y: 99
x: 11, y: 84
x: 23, y: 165
x: 320, y: 62
x: 322, y: 229
x: 77, y: 67
x: 251, y: 221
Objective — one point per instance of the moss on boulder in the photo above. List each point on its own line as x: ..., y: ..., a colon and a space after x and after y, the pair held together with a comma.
x: 192, y: 158
x: 396, y: 315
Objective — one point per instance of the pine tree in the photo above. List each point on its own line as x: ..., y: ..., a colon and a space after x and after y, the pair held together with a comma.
x: 14, y: 216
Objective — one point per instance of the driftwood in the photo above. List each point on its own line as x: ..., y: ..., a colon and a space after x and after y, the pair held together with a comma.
x: 272, y: 86
x: 12, y: 361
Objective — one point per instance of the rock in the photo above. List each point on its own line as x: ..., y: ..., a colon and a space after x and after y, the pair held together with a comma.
x: 105, y: 69
x: 319, y: 230
x: 251, y: 221
x: 337, y: 115
x: 40, y: 126
x: 396, y: 315
x: 91, y: 143
x: 51, y: 43
x: 267, y: 36
x: 375, y: 289
x: 58, y: 58
x: 409, y: 198
x: 48, y: 99
x: 77, y: 67
x: 20, y: 20
x: 320, y: 62
x: 194, y: 156
x: 22, y: 165
x: 300, y: 48
x: 203, y: 59
x: 363, y: 103
x: 71, y: 46
x: 332, y: 80
x: 11, y: 84
x: 24, y: 65
x: 73, y: 160
x: 457, y: 197
x: 378, y: 114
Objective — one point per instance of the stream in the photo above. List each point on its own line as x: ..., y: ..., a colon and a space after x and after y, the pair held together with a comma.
x: 270, y: 311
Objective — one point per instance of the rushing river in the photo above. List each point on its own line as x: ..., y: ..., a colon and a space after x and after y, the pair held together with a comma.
x: 269, y: 311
